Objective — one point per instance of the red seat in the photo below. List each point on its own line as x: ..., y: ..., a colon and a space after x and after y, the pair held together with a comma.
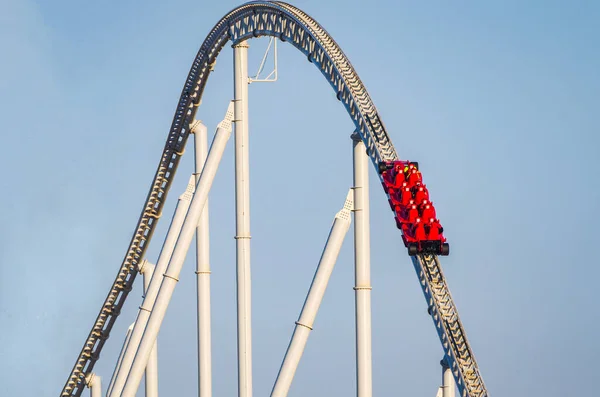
x: 428, y: 212
x: 414, y: 177
x: 406, y: 197
x: 435, y: 230
x: 413, y: 214
x: 420, y: 230
x: 407, y: 231
x: 420, y: 193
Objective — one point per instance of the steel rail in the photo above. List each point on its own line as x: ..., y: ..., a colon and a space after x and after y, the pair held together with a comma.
x: 253, y: 19
x: 443, y: 311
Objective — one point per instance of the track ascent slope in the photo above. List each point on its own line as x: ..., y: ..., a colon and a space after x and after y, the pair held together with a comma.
x: 459, y: 355
x: 289, y: 24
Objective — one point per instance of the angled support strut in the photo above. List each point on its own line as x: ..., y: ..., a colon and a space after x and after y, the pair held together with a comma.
x: 135, y: 336
x: 304, y: 325
x: 151, y: 377
x: 171, y: 276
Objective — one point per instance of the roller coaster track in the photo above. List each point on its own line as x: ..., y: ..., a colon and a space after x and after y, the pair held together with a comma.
x: 289, y: 24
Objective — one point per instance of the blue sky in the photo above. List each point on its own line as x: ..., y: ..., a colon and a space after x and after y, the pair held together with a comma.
x: 498, y: 101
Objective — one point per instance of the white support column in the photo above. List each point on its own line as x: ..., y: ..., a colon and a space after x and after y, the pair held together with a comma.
x: 362, y: 273
x: 203, y: 272
x: 152, y: 366
x: 120, y: 359
x: 304, y: 325
x: 146, y: 307
x: 242, y: 203
x: 171, y: 277
x: 448, y: 383
x: 94, y: 382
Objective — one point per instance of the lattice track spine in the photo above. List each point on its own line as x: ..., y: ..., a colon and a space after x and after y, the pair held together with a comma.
x: 449, y: 327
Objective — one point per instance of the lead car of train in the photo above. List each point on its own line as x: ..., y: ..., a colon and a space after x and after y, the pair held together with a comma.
x: 414, y: 212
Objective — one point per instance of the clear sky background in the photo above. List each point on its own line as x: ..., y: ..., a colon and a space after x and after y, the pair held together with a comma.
x: 499, y: 101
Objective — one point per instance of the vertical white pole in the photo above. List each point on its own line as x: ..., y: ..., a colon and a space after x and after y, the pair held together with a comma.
x: 144, y: 313
x: 448, y: 383
x: 242, y: 202
x: 203, y: 273
x: 120, y: 360
x: 95, y: 384
x: 171, y: 277
x: 152, y: 366
x: 304, y: 325
x: 146, y: 307
x: 362, y: 261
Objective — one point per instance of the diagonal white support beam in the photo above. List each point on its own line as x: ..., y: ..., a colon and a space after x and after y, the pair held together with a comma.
x: 151, y: 378
x: 120, y: 359
x: 151, y: 292
x: 171, y: 276
x: 304, y: 325
x: 362, y: 269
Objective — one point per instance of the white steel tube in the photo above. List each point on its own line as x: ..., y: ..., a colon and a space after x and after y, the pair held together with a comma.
x: 242, y: 203
x: 146, y: 307
x: 120, y: 359
x: 95, y: 385
x: 448, y: 383
x: 203, y: 274
x: 171, y: 277
x: 304, y: 325
x: 151, y: 378
x: 362, y: 273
